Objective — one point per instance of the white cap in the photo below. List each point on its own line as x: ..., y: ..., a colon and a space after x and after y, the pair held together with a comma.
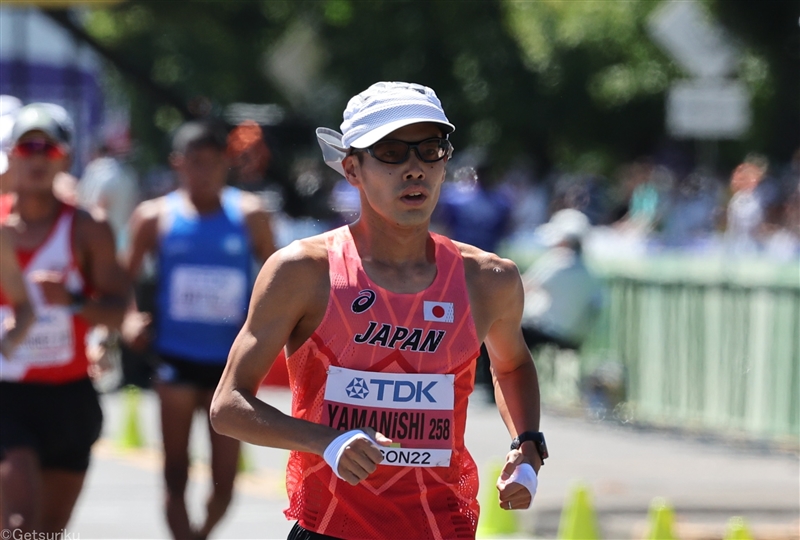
x: 567, y: 224
x: 378, y: 111
x: 9, y: 105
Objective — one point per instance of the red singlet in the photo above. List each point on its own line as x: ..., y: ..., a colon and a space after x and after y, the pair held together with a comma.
x: 405, y: 365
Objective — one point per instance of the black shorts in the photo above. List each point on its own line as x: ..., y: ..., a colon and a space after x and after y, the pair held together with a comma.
x: 175, y: 370
x: 301, y: 533
x: 60, y: 422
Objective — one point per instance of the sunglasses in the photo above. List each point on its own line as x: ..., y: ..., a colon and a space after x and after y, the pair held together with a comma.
x: 396, y: 152
x: 32, y: 147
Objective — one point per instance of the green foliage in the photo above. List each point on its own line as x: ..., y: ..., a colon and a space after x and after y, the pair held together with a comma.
x: 574, y: 84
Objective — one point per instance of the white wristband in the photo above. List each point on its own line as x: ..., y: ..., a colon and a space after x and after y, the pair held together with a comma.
x: 333, y: 453
x: 525, y: 476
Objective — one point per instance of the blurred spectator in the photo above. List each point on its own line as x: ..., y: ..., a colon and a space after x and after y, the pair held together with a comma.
x: 640, y: 198
x: 746, y: 209
x: 562, y: 298
x: 475, y: 213
x: 690, y: 214
x: 784, y: 242
x: 110, y: 187
x: 345, y: 201
x: 250, y: 156
x: 530, y: 198
x: 9, y: 105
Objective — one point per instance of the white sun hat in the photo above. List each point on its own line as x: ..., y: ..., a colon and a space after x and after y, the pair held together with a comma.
x: 376, y: 112
x: 566, y: 224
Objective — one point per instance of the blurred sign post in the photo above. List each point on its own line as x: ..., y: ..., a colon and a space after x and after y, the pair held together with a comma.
x: 710, y: 106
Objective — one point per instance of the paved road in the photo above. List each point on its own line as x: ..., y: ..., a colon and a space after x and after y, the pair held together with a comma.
x: 624, y: 469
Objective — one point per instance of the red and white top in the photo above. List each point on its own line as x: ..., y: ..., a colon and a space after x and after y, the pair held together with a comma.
x: 403, y: 364
x: 54, y: 350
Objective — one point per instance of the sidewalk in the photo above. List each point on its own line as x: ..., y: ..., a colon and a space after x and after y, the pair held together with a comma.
x: 624, y: 469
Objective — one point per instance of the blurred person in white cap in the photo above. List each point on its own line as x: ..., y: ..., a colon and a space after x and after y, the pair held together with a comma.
x: 562, y: 297
x: 382, y: 321
x: 49, y: 411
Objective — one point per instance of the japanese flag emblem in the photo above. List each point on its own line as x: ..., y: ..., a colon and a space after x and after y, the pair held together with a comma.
x: 438, y: 311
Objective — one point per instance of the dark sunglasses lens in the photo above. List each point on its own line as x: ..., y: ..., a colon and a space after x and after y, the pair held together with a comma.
x: 432, y: 150
x: 390, y: 151
x: 29, y: 148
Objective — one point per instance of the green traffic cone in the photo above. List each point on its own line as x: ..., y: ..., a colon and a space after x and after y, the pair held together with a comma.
x: 737, y: 529
x: 131, y: 435
x: 662, y: 520
x: 495, y: 521
x: 578, y: 519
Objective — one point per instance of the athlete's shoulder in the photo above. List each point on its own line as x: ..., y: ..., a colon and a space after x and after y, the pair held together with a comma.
x: 88, y: 221
x: 149, y: 209
x: 305, y: 259
x: 485, y: 268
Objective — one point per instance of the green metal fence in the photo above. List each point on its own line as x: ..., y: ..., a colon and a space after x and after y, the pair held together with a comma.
x: 718, y: 356
x: 717, y: 352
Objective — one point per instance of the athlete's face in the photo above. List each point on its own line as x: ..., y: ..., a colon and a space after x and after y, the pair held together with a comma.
x: 403, y: 194
x: 35, y: 161
x: 202, y: 170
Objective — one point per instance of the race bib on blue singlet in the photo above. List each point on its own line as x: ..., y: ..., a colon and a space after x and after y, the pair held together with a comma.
x: 207, y: 294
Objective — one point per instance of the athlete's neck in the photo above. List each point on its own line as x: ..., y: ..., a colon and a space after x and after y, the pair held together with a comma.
x: 399, y: 260
x: 37, y: 208
x: 203, y: 204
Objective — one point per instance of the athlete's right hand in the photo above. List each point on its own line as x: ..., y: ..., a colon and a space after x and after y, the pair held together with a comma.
x: 135, y: 330
x: 360, y: 456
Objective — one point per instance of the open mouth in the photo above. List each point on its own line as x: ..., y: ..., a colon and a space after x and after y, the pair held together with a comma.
x: 414, y: 196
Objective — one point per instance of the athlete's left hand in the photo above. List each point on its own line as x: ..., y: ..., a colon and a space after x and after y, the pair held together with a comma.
x: 513, y: 495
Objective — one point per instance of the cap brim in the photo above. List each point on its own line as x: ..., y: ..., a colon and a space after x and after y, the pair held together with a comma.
x: 368, y: 139
x: 330, y: 142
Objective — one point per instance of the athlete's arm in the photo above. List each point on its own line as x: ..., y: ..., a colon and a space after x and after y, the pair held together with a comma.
x: 143, y: 226
x: 13, y: 285
x: 260, y: 227
x: 97, y: 259
x: 496, y: 292
x: 288, y: 303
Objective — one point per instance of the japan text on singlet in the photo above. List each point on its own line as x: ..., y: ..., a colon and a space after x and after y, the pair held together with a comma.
x: 403, y: 364
x: 54, y: 349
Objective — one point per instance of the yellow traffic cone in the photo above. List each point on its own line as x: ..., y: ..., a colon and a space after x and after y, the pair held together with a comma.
x: 578, y: 519
x: 737, y: 529
x: 495, y: 521
x: 244, y: 465
x: 662, y: 520
x: 131, y: 435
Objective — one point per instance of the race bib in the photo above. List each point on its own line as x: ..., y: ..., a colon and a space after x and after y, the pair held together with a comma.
x: 207, y: 294
x: 50, y: 340
x: 414, y: 410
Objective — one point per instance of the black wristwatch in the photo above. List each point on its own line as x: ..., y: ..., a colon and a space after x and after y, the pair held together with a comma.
x: 537, y: 437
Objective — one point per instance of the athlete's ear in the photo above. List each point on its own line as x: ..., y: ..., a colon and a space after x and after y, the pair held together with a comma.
x: 352, y: 169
